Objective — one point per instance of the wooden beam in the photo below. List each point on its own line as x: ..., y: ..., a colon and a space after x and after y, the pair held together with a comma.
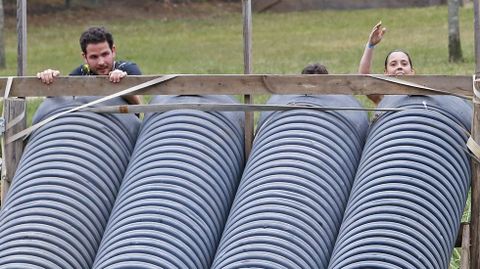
x: 475, y: 193
x: 22, y: 37
x: 465, y: 250
x: 151, y: 108
x: 14, y: 107
x: 242, y: 84
x: 247, y: 69
x: 475, y: 187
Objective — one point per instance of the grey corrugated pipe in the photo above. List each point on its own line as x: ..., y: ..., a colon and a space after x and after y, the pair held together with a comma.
x: 295, y: 186
x: 65, y: 186
x: 178, y: 189
x: 410, y: 189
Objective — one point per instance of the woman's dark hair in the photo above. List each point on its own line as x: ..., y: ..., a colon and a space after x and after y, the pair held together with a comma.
x: 95, y: 35
x: 398, y: 50
x: 315, y: 69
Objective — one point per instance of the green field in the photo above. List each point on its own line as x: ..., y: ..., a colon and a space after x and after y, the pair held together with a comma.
x: 282, y: 43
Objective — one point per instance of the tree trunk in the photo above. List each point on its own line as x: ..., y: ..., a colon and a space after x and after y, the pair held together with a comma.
x: 454, y: 46
x: 2, y: 40
x: 68, y: 4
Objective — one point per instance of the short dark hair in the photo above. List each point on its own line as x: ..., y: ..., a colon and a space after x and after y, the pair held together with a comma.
x: 398, y: 50
x: 95, y: 35
x: 315, y: 68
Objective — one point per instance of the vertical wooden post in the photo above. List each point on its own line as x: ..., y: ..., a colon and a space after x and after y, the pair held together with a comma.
x: 465, y: 251
x: 475, y: 190
x: 11, y: 153
x: 247, y: 60
x: 22, y: 37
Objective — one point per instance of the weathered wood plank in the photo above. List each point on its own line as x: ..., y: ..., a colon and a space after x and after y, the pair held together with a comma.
x: 475, y: 187
x: 14, y: 107
x: 475, y: 194
x: 242, y: 84
x: 465, y: 250
x: 151, y: 108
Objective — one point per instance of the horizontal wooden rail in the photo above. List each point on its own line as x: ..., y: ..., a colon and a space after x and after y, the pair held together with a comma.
x: 244, y: 84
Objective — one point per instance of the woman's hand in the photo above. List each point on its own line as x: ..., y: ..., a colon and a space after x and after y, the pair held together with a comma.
x: 376, y: 35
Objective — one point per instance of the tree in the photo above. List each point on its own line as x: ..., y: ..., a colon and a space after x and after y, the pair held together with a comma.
x: 454, y: 46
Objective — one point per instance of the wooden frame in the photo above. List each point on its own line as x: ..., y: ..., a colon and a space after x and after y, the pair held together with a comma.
x: 247, y: 85
x: 242, y: 85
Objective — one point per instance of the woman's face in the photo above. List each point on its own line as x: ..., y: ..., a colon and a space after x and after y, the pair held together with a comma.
x: 398, y: 64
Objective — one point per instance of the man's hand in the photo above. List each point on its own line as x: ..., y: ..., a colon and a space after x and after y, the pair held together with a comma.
x: 116, y: 75
x: 47, y: 75
x: 376, y: 35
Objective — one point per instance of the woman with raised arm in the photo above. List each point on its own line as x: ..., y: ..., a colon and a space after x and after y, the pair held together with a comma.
x: 397, y: 62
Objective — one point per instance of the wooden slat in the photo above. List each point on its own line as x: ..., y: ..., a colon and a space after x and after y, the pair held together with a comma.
x: 152, y: 108
x: 475, y: 187
x: 13, y: 151
x: 465, y: 250
x: 241, y: 84
x: 475, y: 194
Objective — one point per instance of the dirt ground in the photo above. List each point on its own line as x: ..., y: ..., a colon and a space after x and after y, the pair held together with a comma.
x: 53, y: 11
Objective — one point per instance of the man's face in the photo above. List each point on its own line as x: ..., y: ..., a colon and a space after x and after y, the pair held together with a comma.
x: 100, y: 58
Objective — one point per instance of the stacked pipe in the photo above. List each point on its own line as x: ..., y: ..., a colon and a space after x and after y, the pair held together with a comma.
x: 410, y: 189
x: 290, y: 201
x: 178, y: 189
x: 65, y: 186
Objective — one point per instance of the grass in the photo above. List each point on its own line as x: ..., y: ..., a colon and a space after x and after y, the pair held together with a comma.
x: 282, y: 43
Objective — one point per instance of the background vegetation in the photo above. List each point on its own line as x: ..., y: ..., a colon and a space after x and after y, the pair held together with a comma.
x: 282, y: 43
x: 209, y: 41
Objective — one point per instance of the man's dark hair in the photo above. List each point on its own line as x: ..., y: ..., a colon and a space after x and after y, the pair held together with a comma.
x: 95, y: 35
x: 315, y: 69
x: 398, y: 50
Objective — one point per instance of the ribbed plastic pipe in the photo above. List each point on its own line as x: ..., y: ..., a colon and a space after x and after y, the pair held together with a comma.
x: 64, y: 188
x: 290, y: 201
x: 180, y: 183
x: 410, y: 189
